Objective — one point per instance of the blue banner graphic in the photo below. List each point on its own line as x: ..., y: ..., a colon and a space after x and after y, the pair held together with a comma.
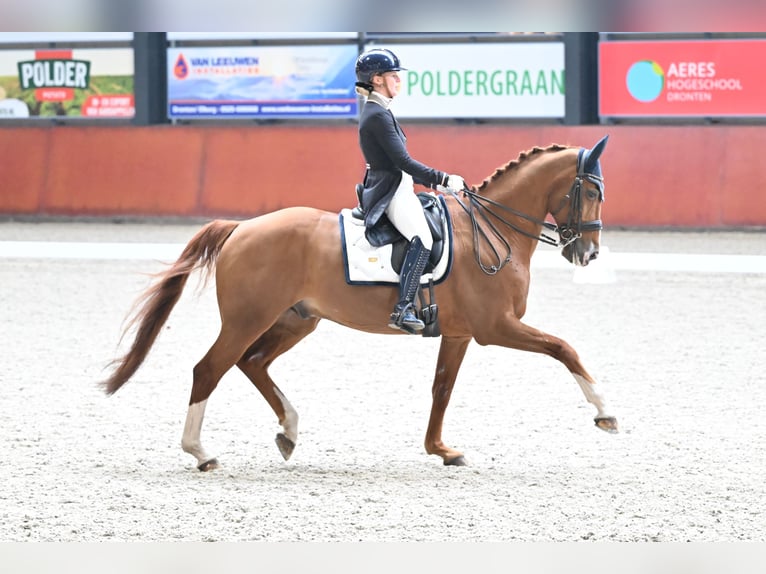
x: 262, y: 82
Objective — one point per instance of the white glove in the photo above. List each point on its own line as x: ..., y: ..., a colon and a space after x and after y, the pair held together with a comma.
x: 455, y: 183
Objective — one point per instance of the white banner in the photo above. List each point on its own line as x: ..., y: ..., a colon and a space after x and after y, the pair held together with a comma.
x: 67, y: 82
x: 484, y: 80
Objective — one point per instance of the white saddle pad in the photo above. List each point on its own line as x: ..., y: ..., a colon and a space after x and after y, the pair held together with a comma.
x: 368, y: 265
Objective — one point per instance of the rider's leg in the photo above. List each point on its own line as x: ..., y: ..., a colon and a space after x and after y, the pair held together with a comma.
x: 406, y: 213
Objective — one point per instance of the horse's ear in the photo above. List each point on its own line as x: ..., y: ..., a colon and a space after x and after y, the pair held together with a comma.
x: 592, y: 155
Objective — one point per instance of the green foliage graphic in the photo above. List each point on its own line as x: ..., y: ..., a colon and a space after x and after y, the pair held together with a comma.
x: 99, y: 85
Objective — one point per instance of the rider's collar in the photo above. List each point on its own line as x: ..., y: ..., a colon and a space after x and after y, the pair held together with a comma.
x: 380, y: 99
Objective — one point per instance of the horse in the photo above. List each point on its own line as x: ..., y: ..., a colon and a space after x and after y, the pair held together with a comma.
x: 280, y: 273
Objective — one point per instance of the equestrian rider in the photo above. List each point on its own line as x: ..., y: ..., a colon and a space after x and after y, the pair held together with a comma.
x: 388, y: 197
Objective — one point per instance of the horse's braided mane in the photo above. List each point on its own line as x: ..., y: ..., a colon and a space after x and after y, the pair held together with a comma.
x: 514, y: 163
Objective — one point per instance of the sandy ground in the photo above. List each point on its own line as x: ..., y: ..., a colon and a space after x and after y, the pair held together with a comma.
x: 679, y: 355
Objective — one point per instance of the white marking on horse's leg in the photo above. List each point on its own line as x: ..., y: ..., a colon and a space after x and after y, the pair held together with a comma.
x: 190, y: 442
x: 592, y: 396
x: 290, y: 424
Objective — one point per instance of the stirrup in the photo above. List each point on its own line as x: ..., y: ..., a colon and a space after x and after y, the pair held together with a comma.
x: 406, y: 320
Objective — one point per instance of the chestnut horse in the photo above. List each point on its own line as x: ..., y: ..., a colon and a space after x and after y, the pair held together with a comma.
x: 279, y: 274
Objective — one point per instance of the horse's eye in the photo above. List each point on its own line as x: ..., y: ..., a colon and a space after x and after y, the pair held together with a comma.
x: 592, y: 194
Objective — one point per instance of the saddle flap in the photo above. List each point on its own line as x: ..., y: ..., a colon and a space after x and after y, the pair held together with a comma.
x: 378, y: 265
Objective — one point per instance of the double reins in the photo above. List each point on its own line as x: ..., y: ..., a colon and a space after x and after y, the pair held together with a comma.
x: 480, y: 206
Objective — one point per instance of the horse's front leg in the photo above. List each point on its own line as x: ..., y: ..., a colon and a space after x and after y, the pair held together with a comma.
x: 517, y: 335
x: 451, y: 353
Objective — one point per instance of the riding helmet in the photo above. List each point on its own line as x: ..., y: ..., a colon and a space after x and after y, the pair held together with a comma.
x: 373, y: 62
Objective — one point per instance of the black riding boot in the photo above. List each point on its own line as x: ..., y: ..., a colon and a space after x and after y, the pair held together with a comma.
x: 403, y: 317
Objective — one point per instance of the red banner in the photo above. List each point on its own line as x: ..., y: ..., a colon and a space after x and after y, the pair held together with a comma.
x: 119, y: 106
x: 682, y: 78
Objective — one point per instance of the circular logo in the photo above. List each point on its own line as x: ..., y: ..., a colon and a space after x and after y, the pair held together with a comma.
x: 645, y: 80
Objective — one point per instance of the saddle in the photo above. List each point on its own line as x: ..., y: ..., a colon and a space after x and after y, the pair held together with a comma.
x: 368, y: 265
x: 432, y: 209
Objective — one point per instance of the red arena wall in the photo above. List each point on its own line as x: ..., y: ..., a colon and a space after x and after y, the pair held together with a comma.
x: 656, y: 176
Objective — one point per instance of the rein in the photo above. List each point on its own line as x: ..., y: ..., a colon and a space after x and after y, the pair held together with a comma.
x: 481, y: 206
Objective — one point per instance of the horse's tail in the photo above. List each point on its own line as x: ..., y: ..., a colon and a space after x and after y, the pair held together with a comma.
x: 152, y: 309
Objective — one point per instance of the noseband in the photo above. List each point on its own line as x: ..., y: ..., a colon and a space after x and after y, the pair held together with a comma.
x: 480, y: 206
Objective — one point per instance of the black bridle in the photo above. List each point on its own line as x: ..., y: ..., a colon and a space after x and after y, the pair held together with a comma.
x: 481, y: 207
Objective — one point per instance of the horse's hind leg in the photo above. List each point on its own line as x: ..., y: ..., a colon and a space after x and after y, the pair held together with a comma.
x: 290, y: 328
x: 228, y: 347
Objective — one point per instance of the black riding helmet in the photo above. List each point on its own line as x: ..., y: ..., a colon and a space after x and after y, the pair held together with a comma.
x: 373, y: 62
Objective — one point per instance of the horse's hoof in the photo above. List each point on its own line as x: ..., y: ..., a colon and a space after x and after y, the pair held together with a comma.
x: 608, y: 424
x: 211, y: 464
x: 285, y: 445
x: 457, y: 461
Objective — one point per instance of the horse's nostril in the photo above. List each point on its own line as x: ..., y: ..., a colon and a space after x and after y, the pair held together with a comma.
x: 594, y: 255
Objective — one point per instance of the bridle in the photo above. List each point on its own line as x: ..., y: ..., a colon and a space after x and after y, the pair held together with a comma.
x: 575, y: 226
x: 481, y: 207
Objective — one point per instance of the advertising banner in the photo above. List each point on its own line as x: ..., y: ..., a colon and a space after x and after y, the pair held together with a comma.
x: 707, y: 78
x: 71, y: 83
x: 481, y: 80
x: 262, y: 82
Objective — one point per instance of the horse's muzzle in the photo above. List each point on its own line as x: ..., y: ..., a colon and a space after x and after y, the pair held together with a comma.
x: 580, y: 252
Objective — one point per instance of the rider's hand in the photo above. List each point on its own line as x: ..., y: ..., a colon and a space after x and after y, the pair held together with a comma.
x: 455, y: 183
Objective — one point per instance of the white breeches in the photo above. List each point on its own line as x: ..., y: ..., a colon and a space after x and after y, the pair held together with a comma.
x: 406, y: 213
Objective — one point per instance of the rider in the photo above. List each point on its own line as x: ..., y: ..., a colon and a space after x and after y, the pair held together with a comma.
x: 389, y: 181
